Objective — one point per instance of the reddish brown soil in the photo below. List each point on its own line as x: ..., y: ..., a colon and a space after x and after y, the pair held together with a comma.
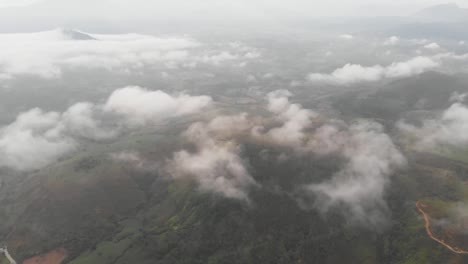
x: 452, y: 248
x: 56, y: 256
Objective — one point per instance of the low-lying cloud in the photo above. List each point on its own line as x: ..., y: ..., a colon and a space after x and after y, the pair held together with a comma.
x: 216, y: 161
x: 294, y: 118
x: 346, y: 36
x: 216, y: 164
x: 47, y: 54
x: 355, y: 73
x: 357, y: 188
x: 140, y: 106
x: 450, y: 128
x: 392, y: 41
x: 33, y: 140
x: 432, y: 46
x: 37, y: 138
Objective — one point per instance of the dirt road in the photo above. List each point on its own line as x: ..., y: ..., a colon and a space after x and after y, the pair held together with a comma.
x: 454, y: 249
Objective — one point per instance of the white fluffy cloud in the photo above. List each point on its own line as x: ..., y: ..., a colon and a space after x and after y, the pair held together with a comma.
x: 392, y: 41
x: 141, y: 106
x: 370, y: 158
x: 80, y: 121
x: 432, y: 46
x: 216, y: 164
x: 411, y: 67
x: 47, y: 54
x: 450, y: 128
x: 355, y: 73
x: 350, y: 73
x: 294, y: 118
x: 360, y: 185
x: 33, y: 141
x: 346, y: 36
x: 38, y: 138
x: 358, y: 188
x: 452, y: 56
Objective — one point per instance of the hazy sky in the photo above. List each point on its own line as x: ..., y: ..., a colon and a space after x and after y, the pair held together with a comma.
x: 220, y: 8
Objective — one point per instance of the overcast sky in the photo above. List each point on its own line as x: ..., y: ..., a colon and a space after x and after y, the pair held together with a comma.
x: 183, y: 15
x: 213, y: 8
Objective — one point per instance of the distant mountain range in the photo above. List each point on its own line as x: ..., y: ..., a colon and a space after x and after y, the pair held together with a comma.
x: 75, y: 35
x: 442, y: 13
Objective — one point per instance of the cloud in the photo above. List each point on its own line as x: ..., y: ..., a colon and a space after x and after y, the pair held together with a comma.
x: 37, y: 138
x: 295, y: 119
x: 223, y: 127
x: 457, y: 97
x: 449, y: 128
x: 33, y: 141
x: 141, y: 106
x: 392, y: 41
x: 219, y: 58
x: 136, y: 160
x: 80, y: 121
x: 216, y: 164
x: 349, y: 74
x: 411, y: 67
x: 47, y: 54
x: 453, y: 219
x: 127, y: 156
x: 452, y: 56
x: 355, y: 73
x: 369, y: 154
x: 457, y: 217
x: 346, y: 36
x: 432, y: 46
x: 328, y: 139
x: 358, y: 188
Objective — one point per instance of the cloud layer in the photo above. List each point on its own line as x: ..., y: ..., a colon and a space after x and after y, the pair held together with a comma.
x: 37, y: 138
x: 355, y: 73
x: 141, y: 106
x: 450, y: 128
x: 357, y: 188
x: 216, y: 164
x: 47, y: 54
x: 294, y: 119
x: 33, y: 140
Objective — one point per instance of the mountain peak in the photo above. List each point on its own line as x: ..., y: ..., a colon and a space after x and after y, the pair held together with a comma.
x: 74, y: 34
x: 443, y: 7
x: 449, y: 12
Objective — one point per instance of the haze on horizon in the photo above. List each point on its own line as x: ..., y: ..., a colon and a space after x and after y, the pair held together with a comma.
x: 208, y: 10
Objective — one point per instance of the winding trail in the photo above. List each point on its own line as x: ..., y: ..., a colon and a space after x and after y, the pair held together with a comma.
x: 7, y: 255
x: 454, y: 249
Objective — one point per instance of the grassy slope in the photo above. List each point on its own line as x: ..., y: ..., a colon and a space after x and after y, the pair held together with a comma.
x: 106, y: 212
